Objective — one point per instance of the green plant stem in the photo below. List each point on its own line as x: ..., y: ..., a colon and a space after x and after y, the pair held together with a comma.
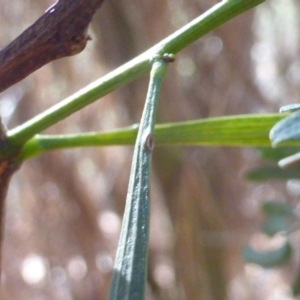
x: 242, y: 130
x: 217, y: 15
x: 129, y: 276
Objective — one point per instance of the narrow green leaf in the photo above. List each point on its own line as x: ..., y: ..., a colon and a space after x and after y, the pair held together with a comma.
x: 242, y: 130
x: 275, y: 207
x: 129, y: 275
x: 276, y: 154
x: 273, y: 173
x: 290, y: 108
x: 287, y: 129
x: 268, y: 259
x: 274, y: 224
x: 278, y: 216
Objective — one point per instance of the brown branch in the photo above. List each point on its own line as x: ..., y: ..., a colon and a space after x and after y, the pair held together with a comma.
x: 60, y: 32
x: 7, y: 169
x: 8, y: 166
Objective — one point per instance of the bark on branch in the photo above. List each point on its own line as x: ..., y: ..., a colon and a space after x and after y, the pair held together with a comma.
x: 60, y: 32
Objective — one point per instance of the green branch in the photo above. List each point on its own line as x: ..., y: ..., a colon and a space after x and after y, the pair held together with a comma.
x: 211, y: 19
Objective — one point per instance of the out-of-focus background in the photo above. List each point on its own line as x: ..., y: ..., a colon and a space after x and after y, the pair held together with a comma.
x: 64, y: 209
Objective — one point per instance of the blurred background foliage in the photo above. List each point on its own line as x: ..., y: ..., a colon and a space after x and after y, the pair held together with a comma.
x: 64, y: 209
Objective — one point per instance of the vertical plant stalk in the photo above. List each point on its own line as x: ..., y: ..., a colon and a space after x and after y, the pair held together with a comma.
x: 129, y: 276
